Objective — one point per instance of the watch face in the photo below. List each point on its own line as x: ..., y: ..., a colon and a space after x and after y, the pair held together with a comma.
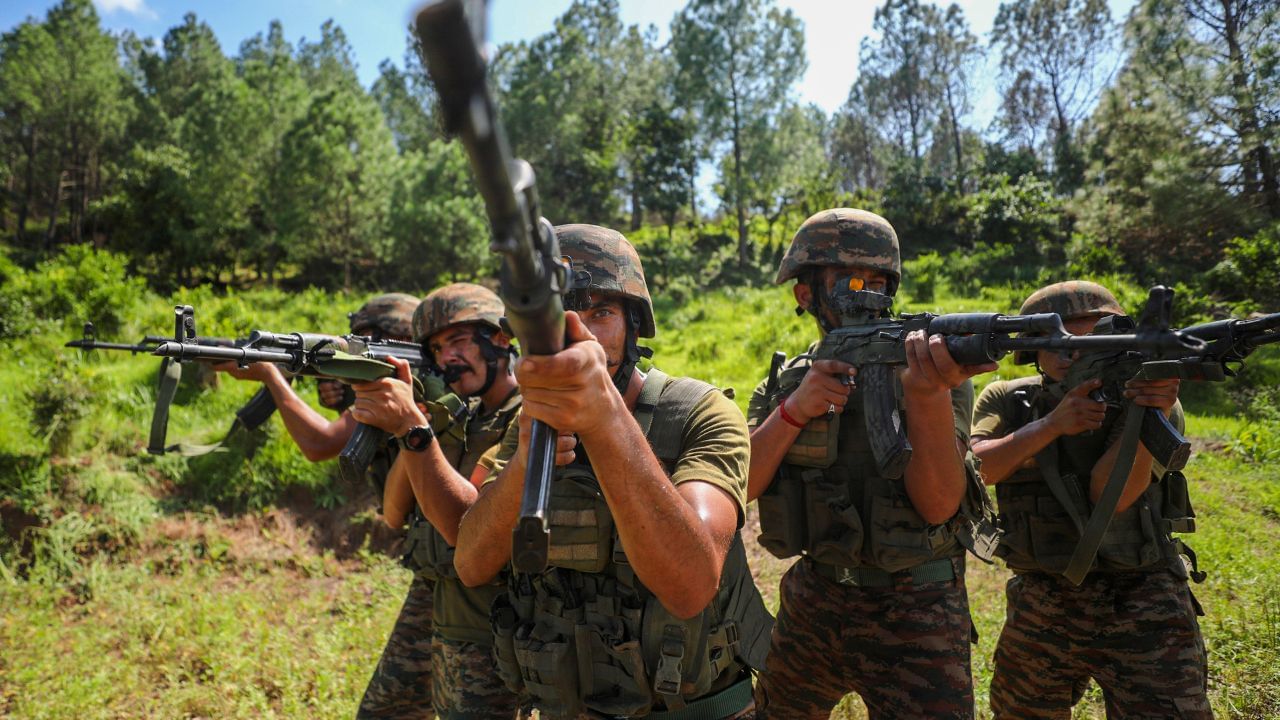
x: 418, y: 438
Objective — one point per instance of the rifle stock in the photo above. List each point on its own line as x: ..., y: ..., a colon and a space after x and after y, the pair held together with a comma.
x: 533, y: 275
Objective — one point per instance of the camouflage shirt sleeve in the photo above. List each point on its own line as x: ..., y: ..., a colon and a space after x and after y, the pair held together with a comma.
x: 989, y: 416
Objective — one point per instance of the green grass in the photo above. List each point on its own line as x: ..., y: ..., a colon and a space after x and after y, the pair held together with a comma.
x: 169, y: 587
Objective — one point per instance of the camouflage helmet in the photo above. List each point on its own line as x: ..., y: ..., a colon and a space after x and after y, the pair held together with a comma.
x: 841, y: 237
x: 455, y: 304
x: 391, y: 314
x: 1070, y: 300
x: 613, y: 263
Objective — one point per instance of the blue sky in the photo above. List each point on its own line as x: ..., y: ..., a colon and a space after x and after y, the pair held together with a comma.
x: 376, y: 29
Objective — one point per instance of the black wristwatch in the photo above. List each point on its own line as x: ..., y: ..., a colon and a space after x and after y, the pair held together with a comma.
x: 418, y: 438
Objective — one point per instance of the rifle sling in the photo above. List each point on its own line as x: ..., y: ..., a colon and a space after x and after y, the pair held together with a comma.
x: 1105, y: 509
x: 170, y: 376
x: 250, y: 417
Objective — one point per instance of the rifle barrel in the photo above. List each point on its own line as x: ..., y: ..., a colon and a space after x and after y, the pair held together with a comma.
x: 184, y: 351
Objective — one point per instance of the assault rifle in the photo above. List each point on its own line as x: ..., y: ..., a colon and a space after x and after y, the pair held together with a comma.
x: 873, y: 343
x: 349, y: 358
x: 252, y: 415
x: 1222, y: 347
x: 533, y: 273
x: 1226, y: 344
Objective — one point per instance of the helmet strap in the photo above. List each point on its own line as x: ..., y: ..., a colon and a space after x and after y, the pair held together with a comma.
x: 632, y: 351
x: 818, y: 299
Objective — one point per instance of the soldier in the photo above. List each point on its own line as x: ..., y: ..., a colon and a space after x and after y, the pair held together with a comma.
x: 439, y: 652
x: 385, y: 317
x: 647, y: 606
x: 1131, y: 625
x: 877, y: 604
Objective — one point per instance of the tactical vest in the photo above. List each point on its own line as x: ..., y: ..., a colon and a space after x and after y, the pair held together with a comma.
x: 587, y: 635
x: 462, y: 442
x: 829, y: 502
x: 1043, y: 509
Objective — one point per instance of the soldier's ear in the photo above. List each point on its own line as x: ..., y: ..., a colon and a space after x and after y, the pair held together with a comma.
x: 803, y: 293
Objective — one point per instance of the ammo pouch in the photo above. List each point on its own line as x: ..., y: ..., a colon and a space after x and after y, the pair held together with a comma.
x: 426, y: 552
x: 578, y: 641
x: 586, y: 635
x: 828, y: 501
x: 1041, y: 533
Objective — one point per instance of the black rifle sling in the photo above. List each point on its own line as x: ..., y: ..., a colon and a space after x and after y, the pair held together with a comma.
x: 253, y: 414
x: 1105, y: 509
x: 170, y: 376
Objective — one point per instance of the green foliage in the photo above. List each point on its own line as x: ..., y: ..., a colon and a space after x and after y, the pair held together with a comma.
x: 1251, y: 268
x: 922, y: 274
x: 1258, y: 440
x: 81, y: 284
x: 735, y: 63
x: 57, y: 405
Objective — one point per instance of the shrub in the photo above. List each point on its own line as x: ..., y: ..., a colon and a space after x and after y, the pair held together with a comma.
x: 81, y: 284
x: 921, y: 276
x: 1251, y: 269
x: 57, y: 405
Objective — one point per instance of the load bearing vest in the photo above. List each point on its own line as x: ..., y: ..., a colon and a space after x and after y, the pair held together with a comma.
x: 1043, y: 509
x: 829, y: 502
x: 586, y: 634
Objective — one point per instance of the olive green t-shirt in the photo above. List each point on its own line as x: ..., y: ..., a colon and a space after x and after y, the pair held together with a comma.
x: 716, y: 449
x: 961, y: 402
x: 998, y: 410
x: 462, y: 613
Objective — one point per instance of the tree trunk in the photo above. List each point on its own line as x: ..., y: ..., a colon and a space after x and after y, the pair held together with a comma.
x: 692, y: 168
x: 53, y: 215
x: 637, y: 211
x: 739, y: 206
x: 28, y: 198
x: 955, y: 139
x: 1256, y: 164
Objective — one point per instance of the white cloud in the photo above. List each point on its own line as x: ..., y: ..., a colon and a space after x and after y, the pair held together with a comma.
x: 133, y: 7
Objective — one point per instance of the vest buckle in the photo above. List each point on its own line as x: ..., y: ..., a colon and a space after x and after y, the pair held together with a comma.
x: 666, y: 680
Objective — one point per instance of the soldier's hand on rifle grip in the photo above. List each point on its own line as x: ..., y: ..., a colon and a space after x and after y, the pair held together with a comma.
x: 930, y: 367
x: 330, y: 392
x: 566, y: 443
x: 1077, y: 412
x: 387, y: 403
x: 825, y: 388
x: 572, y: 390
x: 1160, y: 394
x: 260, y: 371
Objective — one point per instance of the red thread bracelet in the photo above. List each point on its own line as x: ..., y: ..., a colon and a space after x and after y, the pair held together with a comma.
x: 786, y: 416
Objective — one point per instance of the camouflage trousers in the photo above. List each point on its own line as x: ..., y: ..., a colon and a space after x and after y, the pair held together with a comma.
x: 466, y: 683
x: 904, y: 649
x: 400, y: 688
x: 1136, y: 634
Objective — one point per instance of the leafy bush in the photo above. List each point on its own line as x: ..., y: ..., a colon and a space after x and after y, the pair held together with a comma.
x: 1259, y: 440
x: 57, y: 405
x: 921, y: 275
x: 1251, y: 269
x: 80, y: 284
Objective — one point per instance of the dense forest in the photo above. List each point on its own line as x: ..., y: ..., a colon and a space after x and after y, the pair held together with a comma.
x: 1143, y: 146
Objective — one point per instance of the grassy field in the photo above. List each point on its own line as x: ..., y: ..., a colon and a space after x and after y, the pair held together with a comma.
x: 253, y: 584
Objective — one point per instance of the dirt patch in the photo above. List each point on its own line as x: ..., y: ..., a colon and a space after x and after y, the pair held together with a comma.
x: 343, y: 529
x: 298, y: 538
x: 15, y: 521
